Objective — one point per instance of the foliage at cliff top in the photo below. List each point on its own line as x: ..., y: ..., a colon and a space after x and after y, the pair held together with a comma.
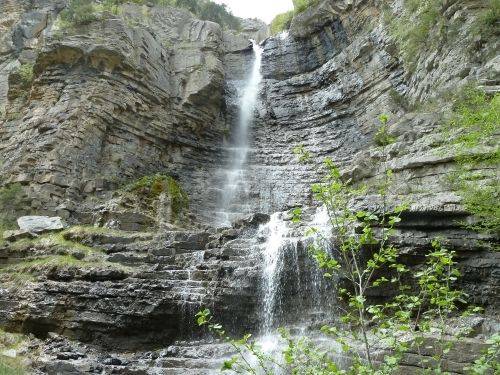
x: 86, y: 11
x: 283, y: 21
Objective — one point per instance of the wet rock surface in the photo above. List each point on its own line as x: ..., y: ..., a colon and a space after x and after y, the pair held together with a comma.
x: 156, y: 91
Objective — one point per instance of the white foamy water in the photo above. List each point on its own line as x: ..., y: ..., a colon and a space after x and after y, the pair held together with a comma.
x: 276, y: 231
x: 239, y: 149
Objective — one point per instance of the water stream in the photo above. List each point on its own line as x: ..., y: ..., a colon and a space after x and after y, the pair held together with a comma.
x: 240, y: 141
x: 282, y: 270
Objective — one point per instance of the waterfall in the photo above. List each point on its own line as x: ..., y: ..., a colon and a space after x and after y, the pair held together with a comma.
x: 239, y: 148
x: 276, y: 231
x: 282, y: 271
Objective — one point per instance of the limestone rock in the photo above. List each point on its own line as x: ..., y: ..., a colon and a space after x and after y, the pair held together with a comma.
x: 40, y: 224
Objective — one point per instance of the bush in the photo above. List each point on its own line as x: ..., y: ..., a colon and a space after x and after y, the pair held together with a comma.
x: 204, y: 9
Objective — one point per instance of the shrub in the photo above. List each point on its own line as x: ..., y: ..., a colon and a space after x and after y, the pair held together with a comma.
x: 399, y: 100
x: 382, y: 136
x: 204, y: 9
x: 489, y: 362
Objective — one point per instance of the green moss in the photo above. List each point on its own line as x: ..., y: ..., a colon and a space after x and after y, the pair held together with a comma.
x: 283, y: 21
x: 26, y: 270
x: 151, y: 187
x: 476, y: 115
x: 79, y: 12
x: 10, y: 366
x: 59, y: 240
x: 422, y: 26
x: 302, y: 5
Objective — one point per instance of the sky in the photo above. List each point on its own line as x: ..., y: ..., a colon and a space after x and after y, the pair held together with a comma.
x: 266, y: 10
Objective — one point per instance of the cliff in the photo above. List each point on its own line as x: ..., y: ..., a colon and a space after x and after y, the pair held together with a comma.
x: 88, y: 110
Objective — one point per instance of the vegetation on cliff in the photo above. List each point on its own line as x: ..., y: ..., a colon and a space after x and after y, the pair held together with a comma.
x: 86, y: 11
x: 283, y: 21
x: 424, y: 24
x: 475, y: 125
x: 149, y: 188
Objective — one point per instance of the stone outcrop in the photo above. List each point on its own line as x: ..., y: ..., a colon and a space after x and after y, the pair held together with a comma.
x: 89, y: 109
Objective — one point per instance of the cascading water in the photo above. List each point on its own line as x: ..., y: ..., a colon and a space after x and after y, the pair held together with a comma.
x: 239, y: 148
x: 276, y: 231
x: 285, y: 266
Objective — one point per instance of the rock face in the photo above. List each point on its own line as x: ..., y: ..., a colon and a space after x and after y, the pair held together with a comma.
x: 91, y: 108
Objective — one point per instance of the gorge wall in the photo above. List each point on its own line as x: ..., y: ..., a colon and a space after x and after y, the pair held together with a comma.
x: 155, y: 91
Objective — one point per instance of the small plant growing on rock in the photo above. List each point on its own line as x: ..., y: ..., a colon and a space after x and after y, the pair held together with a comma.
x: 25, y: 71
x: 382, y: 136
x: 489, y: 362
x: 399, y: 100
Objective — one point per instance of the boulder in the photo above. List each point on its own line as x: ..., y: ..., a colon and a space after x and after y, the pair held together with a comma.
x: 40, y: 224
